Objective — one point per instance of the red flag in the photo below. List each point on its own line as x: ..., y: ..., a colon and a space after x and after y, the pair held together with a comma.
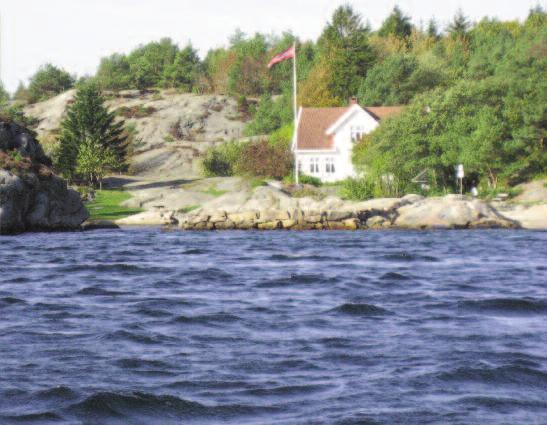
x: 288, y: 54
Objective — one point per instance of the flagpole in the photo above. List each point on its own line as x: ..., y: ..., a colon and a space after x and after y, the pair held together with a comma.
x: 295, y: 106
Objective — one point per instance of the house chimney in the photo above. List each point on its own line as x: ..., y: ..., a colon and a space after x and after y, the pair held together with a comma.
x: 353, y: 101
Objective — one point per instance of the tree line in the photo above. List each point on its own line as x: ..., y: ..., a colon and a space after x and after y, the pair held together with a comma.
x: 482, y: 87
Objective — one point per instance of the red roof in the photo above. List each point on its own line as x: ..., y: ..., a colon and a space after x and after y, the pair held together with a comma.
x: 383, y: 112
x: 314, y: 123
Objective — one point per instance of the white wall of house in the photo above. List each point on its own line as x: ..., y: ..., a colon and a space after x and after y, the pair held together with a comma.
x: 336, y: 164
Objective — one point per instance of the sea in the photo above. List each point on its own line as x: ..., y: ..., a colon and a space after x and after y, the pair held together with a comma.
x: 147, y: 326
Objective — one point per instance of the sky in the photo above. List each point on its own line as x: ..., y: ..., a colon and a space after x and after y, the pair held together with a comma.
x: 75, y: 34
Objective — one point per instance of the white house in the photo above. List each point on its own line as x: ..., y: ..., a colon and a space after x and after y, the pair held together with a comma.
x: 324, y: 138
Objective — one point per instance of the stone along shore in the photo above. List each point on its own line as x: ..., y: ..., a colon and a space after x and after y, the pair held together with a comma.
x: 268, y: 208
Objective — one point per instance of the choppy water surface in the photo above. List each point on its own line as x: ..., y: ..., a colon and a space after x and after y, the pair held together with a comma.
x: 148, y: 327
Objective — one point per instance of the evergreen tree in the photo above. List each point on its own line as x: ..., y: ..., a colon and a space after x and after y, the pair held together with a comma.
x: 89, y: 121
x: 459, y: 25
x: 21, y: 93
x: 396, y: 24
x: 4, y: 95
x: 345, y: 49
x: 433, y: 29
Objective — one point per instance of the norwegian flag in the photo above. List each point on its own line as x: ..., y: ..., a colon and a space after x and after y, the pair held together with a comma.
x: 287, y: 54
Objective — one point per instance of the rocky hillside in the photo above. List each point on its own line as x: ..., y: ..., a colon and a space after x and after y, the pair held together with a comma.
x: 171, y: 130
x: 31, y: 197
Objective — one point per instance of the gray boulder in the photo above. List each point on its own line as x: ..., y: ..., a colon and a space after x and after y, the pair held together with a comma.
x: 450, y: 212
x: 32, y: 198
x: 14, y: 137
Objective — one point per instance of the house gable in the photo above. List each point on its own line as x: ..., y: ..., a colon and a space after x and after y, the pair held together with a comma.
x: 320, y: 129
x: 352, y: 125
x: 311, y: 132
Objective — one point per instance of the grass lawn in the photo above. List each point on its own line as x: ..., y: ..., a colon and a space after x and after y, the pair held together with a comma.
x: 107, y: 205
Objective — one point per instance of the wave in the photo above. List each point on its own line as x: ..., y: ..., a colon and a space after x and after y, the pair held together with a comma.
x: 96, y: 291
x: 285, y: 257
x: 40, y: 417
x: 138, y: 403
x: 509, y: 374
x: 20, y: 279
x: 135, y: 363
x: 497, y: 403
x: 5, y: 301
x: 361, y: 309
x: 290, y: 390
x: 394, y: 276
x: 195, y: 251
x: 111, y: 268
x: 506, y: 305
x: 358, y: 421
x: 208, y: 318
x: 139, y: 338
x: 407, y: 256
x: 293, y: 279
x: 56, y: 392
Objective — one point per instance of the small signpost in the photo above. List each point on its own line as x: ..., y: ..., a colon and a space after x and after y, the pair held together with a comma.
x: 460, y: 174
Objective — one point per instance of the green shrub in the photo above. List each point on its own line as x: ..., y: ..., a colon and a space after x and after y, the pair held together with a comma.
x: 270, y: 115
x: 16, y: 114
x: 314, y: 181
x: 370, y: 186
x: 257, y: 182
x: 261, y: 159
x: 283, y: 136
x: 48, y: 81
x: 357, y: 189
x: 221, y: 160
x: 308, y: 192
x: 137, y: 111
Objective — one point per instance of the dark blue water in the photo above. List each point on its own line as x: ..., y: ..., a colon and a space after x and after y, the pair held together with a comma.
x: 149, y: 327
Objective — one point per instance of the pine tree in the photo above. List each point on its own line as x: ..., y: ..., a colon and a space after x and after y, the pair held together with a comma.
x: 433, y: 29
x: 459, y: 25
x: 345, y: 49
x: 396, y: 24
x: 4, y: 95
x: 88, y: 120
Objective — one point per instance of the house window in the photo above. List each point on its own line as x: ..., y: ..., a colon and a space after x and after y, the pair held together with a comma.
x: 329, y: 166
x: 357, y: 133
x: 314, y: 165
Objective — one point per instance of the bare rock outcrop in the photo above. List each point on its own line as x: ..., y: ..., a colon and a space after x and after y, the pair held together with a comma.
x: 31, y: 197
x: 271, y: 209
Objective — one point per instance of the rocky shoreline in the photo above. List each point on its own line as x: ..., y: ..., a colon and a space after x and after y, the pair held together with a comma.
x: 31, y: 197
x: 268, y: 208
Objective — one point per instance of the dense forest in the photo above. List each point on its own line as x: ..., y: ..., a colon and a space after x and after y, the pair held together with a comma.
x: 476, y: 92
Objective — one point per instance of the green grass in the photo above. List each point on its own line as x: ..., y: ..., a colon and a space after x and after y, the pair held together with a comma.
x: 188, y: 209
x: 107, y: 206
x: 257, y: 183
x: 213, y: 191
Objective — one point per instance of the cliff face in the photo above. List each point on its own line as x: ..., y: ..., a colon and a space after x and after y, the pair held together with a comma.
x: 31, y: 197
x: 171, y: 130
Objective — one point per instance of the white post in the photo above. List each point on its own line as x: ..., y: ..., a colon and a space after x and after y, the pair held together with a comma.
x: 295, y: 106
